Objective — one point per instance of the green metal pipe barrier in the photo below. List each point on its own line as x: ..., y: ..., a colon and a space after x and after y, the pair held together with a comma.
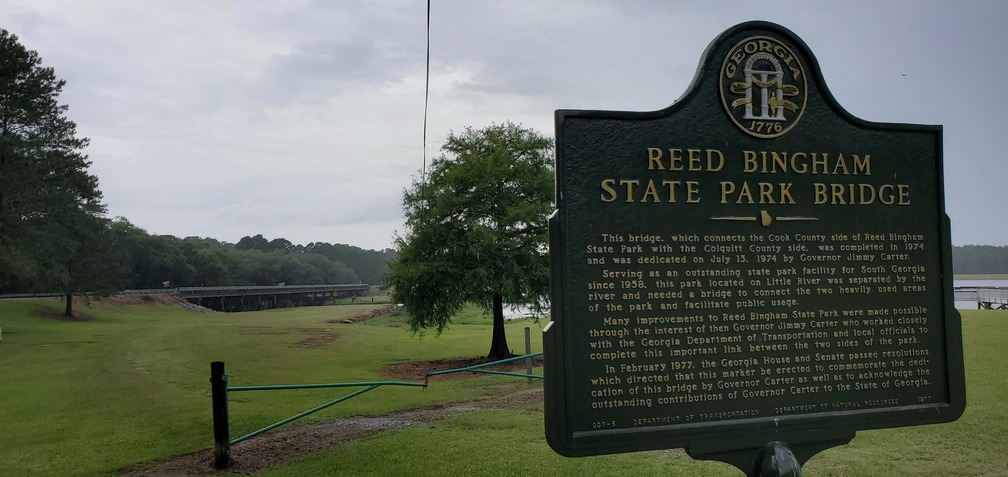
x: 303, y: 414
x: 478, y: 368
x: 219, y: 400
x: 326, y: 385
x: 220, y: 389
x: 370, y: 386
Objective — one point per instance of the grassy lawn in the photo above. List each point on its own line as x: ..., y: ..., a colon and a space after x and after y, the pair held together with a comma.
x: 93, y: 397
x: 980, y: 276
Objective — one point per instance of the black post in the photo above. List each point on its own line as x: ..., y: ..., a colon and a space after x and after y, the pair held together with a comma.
x: 219, y: 403
x: 776, y: 460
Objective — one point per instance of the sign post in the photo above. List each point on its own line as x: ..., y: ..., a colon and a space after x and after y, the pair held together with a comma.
x: 751, y: 272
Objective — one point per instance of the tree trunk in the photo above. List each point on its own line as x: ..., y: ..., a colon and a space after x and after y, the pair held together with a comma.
x: 498, y: 346
x: 69, y: 304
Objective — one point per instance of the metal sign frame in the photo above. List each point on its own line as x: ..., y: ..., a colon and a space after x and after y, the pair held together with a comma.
x: 754, y: 165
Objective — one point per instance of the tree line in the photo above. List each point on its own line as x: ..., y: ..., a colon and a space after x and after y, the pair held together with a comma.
x: 980, y: 259
x: 55, y: 234
x: 154, y: 260
x: 122, y: 256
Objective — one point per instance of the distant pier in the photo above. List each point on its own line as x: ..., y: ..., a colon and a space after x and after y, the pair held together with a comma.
x: 986, y: 298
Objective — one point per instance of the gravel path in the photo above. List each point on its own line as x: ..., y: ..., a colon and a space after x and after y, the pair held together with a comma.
x: 294, y: 441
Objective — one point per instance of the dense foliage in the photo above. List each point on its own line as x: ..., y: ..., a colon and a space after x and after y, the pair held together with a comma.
x: 477, y: 229
x: 980, y: 259
x: 153, y: 260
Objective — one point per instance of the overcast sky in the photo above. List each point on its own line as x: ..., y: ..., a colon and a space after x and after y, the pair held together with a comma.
x: 304, y: 120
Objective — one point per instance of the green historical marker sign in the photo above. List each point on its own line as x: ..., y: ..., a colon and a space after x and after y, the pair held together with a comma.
x: 750, y: 265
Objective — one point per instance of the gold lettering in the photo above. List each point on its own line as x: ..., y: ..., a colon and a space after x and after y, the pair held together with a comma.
x: 727, y: 188
x: 840, y: 163
x: 766, y: 193
x: 785, y: 195
x: 607, y: 188
x: 799, y: 167
x: 654, y: 156
x: 694, y: 160
x: 629, y: 188
x: 745, y: 192
x: 861, y: 194
x: 778, y: 160
x: 820, y: 193
x: 838, y: 191
x: 671, y: 189
x: 886, y: 195
x: 675, y: 157
x: 710, y: 160
x: 736, y: 59
x: 748, y: 164
x: 816, y: 163
x: 867, y: 188
x: 692, y: 192
x: 783, y: 162
x: 652, y: 191
x: 862, y: 166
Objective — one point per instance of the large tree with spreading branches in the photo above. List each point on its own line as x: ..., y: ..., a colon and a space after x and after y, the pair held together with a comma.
x: 476, y: 230
x: 51, y: 212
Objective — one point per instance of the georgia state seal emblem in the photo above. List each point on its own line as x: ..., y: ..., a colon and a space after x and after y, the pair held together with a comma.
x: 763, y: 87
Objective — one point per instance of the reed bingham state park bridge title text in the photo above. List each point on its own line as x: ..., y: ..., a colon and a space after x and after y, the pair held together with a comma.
x: 760, y: 191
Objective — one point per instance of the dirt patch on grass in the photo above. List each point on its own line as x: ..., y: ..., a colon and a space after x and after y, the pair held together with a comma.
x: 130, y: 299
x: 295, y: 441
x: 59, y: 316
x: 162, y: 299
x: 367, y: 315
x: 327, y: 338
x: 417, y: 370
x: 316, y: 341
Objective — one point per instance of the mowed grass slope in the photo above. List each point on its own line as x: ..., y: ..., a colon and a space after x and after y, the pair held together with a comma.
x: 91, y: 398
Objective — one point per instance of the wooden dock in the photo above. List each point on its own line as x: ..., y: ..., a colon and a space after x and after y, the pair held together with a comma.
x: 986, y: 298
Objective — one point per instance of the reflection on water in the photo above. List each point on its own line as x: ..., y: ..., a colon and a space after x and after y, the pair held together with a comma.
x: 513, y: 312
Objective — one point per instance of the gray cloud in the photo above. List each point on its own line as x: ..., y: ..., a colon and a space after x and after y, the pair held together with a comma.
x: 304, y: 120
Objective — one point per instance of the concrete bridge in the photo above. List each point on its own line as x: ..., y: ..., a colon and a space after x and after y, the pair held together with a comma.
x: 252, y: 298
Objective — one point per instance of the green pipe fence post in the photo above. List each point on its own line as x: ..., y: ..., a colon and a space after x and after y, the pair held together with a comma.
x: 219, y: 404
x: 528, y: 351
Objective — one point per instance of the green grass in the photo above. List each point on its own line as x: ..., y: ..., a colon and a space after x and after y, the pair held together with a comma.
x: 974, y: 445
x: 91, y: 398
x: 485, y: 443
x: 88, y: 398
x: 981, y: 276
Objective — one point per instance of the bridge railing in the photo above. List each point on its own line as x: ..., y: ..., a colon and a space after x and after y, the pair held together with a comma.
x: 195, y: 292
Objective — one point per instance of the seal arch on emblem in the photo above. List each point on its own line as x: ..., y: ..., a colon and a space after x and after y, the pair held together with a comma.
x: 763, y: 87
